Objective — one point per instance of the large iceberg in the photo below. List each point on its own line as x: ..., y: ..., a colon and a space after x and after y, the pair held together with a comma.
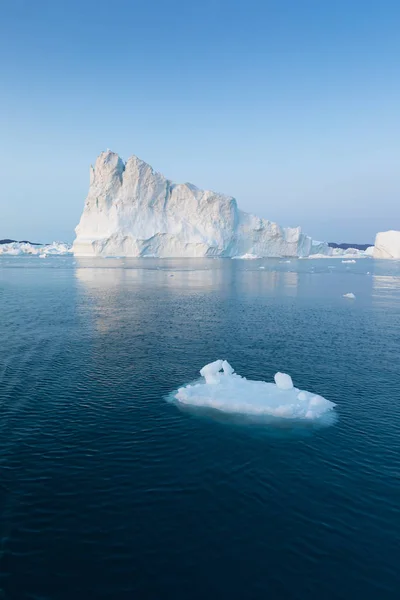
x: 132, y: 210
x: 223, y: 390
x: 387, y: 244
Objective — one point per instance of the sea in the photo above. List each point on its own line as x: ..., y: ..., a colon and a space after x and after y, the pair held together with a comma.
x: 110, y: 490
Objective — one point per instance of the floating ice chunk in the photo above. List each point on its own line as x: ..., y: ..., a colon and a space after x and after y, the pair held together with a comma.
x: 246, y: 257
x: 348, y: 261
x: 349, y: 295
x: 227, y: 369
x: 283, y: 381
x: 261, y: 267
x: 222, y: 389
x: 212, y: 371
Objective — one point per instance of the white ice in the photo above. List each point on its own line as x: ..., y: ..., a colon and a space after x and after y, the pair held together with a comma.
x: 348, y: 261
x: 246, y: 257
x: 348, y: 253
x: 349, y: 295
x: 283, y: 381
x: 223, y: 390
x: 387, y: 244
x: 18, y: 248
x: 131, y: 210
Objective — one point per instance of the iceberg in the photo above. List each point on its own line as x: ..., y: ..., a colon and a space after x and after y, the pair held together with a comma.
x: 21, y: 248
x: 223, y: 390
x: 349, y: 295
x: 131, y: 210
x: 387, y: 244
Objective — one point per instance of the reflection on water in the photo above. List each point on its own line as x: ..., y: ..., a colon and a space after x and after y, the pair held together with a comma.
x: 386, y: 289
x: 114, y: 286
x: 187, y: 274
x: 386, y: 283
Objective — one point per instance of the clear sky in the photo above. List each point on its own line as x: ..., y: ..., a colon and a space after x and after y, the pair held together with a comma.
x: 291, y: 106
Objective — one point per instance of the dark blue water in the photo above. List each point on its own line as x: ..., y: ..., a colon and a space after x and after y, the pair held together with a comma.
x: 108, y: 491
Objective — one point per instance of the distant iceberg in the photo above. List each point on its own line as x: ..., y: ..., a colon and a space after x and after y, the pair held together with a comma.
x: 20, y: 248
x: 348, y: 253
x: 131, y: 210
x: 223, y: 390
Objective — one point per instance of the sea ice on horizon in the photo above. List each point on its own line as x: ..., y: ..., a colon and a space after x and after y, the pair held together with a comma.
x: 349, y: 253
x: 20, y: 248
x: 223, y: 390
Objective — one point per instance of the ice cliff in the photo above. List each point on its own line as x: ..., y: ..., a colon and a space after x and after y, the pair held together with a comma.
x: 387, y: 244
x: 132, y: 210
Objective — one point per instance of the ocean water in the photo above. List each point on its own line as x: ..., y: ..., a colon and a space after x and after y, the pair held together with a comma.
x: 110, y: 491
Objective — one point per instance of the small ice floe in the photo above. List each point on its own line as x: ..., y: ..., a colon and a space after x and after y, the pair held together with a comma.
x: 247, y: 256
x: 349, y: 295
x: 348, y: 261
x: 223, y: 390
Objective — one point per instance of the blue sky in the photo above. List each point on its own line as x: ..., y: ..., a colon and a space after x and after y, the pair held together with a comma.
x: 291, y: 106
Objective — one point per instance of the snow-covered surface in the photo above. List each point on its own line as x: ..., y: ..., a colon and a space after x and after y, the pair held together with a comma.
x: 223, y: 390
x: 132, y: 210
x: 349, y: 295
x: 387, y: 244
x: 18, y: 248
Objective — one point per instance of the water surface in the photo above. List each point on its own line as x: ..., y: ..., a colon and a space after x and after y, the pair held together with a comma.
x: 109, y: 491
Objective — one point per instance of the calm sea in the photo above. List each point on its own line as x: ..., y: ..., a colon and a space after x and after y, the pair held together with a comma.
x: 108, y: 491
